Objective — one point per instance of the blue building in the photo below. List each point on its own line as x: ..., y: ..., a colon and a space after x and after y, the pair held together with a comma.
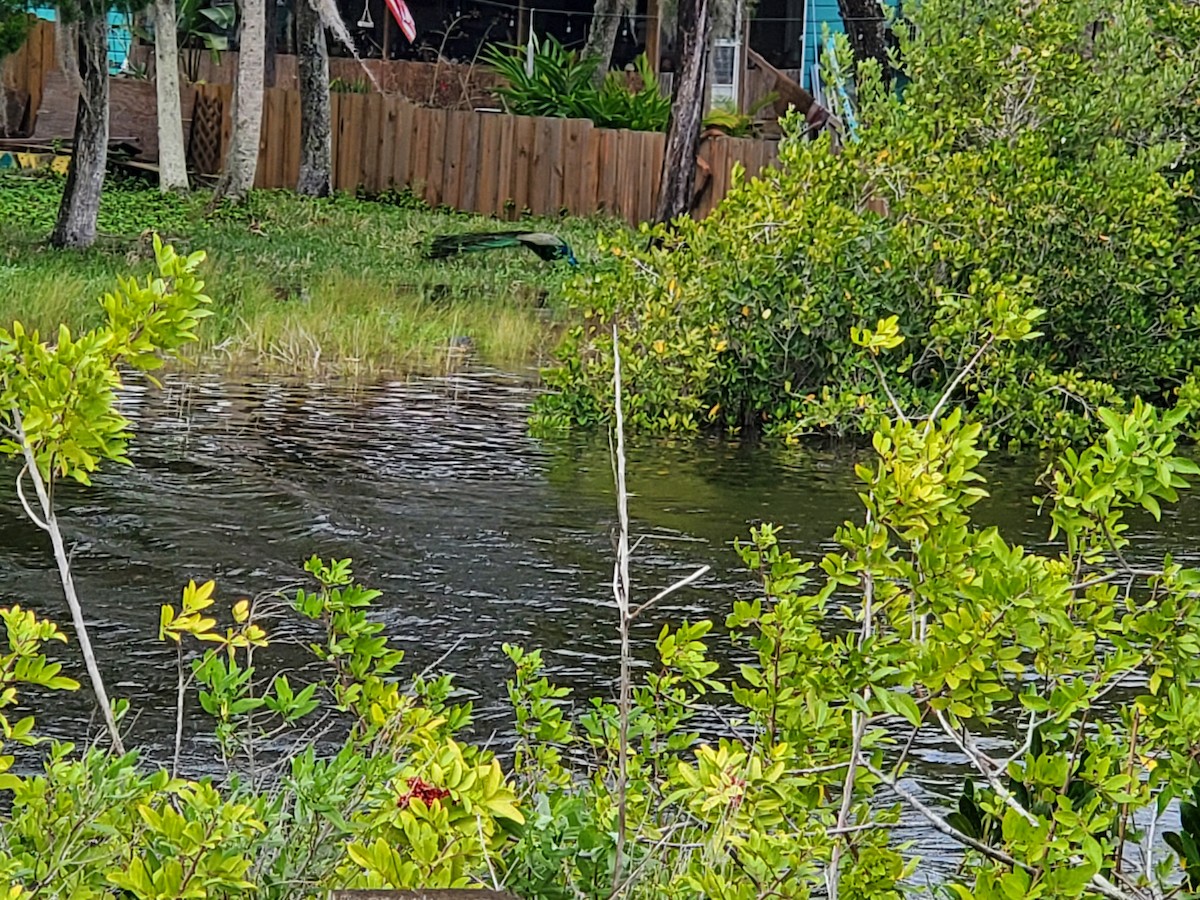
x: 790, y: 34
x: 120, y: 36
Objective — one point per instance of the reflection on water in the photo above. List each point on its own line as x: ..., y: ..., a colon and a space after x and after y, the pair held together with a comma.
x: 477, y: 533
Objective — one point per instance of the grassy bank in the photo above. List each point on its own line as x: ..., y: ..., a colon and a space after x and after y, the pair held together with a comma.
x: 297, y: 284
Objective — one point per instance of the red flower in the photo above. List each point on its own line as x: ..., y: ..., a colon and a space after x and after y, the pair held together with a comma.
x: 423, y: 791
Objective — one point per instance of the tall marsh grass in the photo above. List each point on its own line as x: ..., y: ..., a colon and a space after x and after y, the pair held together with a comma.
x: 298, y: 284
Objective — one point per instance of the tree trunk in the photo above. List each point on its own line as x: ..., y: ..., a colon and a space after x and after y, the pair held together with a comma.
x: 316, y: 142
x: 602, y: 36
x: 866, y: 29
x: 241, y: 162
x: 687, y: 110
x: 80, y: 206
x: 172, y: 154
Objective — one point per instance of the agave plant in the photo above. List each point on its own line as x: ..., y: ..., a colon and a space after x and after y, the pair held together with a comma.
x: 646, y: 109
x: 738, y: 124
x: 559, y: 83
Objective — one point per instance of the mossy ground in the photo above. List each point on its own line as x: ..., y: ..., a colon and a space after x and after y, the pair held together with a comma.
x: 298, y: 284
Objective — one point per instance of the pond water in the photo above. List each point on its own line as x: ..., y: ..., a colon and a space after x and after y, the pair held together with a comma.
x: 477, y: 533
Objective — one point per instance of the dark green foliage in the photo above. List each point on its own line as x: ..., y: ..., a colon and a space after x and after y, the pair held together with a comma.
x: 1186, y: 842
x: 1024, y: 168
x: 14, y: 26
x: 561, y: 86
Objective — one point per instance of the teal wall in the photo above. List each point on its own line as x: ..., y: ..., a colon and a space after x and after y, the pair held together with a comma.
x: 119, y: 36
x: 821, y: 13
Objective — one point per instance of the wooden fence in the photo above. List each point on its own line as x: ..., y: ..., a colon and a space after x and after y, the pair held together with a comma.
x: 23, y: 73
x: 478, y: 162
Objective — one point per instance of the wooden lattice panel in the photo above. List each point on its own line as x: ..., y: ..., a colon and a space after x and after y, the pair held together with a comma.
x: 204, y: 146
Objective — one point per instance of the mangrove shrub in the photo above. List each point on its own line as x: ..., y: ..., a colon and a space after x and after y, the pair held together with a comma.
x: 1039, y: 157
x: 785, y: 776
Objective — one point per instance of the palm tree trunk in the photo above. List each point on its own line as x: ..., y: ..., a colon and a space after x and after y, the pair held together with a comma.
x: 687, y: 110
x: 80, y: 206
x: 241, y: 162
x: 316, y: 142
x: 172, y: 154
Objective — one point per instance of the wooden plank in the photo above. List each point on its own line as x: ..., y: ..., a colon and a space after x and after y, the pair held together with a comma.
x: 539, y: 169
x: 652, y: 163
x: 435, y: 175
x: 271, y: 137
x: 350, y: 123
x: 606, y: 170
x: 612, y: 172
x: 630, y: 161
x: 419, y: 171
x: 368, y: 163
x: 486, y: 161
x: 505, y: 165
x: 589, y: 186
x: 721, y: 164
x: 388, y: 112
x: 643, y: 151
x: 716, y: 191
x: 556, y: 166
x: 569, y: 153
x: 469, y: 191
x: 453, y: 165
x: 524, y: 131
x: 356, y: 129
x: 404, y: 138
x: 291, y: 164
x: 335, y: 138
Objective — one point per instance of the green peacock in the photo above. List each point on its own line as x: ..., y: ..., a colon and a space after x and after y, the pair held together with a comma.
x: 549, y: 247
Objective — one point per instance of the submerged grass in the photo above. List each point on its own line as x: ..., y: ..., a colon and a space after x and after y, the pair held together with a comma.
x: 297, y: 284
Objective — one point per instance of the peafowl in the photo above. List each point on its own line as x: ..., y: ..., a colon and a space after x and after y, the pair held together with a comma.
x: 548, y: 246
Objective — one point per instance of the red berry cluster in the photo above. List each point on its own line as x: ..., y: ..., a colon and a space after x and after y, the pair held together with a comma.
x: 423, y: 791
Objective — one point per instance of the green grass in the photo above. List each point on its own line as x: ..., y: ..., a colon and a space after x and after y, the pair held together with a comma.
x: 297, y: 284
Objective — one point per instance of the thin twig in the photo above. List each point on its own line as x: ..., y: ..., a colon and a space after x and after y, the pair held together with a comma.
x: 621, y: 595
x: 1099, y: 883
x: 887, y: 390
x: 859, y: 726
x: 665, y: 592
x: 487, y: 857
x: 68, y: 583
x: 25, y: 503
x: 962, y: 373
x: 985, y: 765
